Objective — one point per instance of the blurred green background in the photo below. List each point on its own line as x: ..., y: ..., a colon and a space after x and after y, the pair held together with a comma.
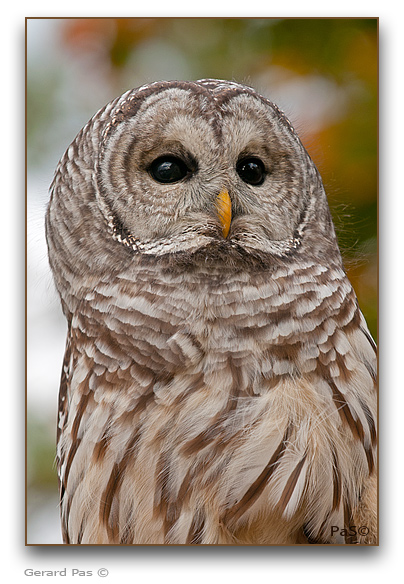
x: 321, y: 72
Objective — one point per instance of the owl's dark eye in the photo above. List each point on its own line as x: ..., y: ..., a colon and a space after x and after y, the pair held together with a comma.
x: 168, y: 169
x: 251, y: 171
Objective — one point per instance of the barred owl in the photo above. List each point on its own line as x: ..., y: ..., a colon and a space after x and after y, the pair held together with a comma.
x: 218, y: 384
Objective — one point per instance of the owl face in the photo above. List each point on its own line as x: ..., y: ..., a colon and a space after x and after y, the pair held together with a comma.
x: 187, y: 165
x: 179, y: 173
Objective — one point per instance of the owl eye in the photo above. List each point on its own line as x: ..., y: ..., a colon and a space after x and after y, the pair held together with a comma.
x: 168, y: 169
x: 251, y: 171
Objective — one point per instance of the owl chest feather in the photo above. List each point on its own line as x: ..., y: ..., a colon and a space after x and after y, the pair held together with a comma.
x: 219, y: 413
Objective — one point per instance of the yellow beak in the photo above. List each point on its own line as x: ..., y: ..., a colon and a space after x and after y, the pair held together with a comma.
x: 223, y: 205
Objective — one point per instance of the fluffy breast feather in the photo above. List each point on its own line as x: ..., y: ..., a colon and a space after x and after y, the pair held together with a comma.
x: 194, y: 422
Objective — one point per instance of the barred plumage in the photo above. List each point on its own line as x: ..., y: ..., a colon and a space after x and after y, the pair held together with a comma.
x: 215, y: 389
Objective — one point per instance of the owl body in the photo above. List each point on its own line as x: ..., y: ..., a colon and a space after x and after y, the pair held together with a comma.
x: 219, y: 378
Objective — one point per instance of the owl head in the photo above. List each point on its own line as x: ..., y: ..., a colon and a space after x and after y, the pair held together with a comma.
x: 206, y: 169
